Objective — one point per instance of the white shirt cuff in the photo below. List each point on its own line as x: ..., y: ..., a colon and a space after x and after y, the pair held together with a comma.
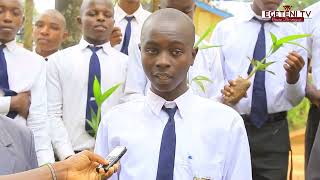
x: 295, y: 92
x: 5, y: 104
x: 64, y: 151
x: 44, y: 158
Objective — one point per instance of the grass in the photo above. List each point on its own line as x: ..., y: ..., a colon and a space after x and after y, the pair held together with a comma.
x: 297, y: 117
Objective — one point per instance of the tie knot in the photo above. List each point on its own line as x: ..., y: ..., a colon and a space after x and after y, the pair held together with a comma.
x: 261, y: 21
x: 94, y: 48
x: 170, y: 111
x: 129, y: 18
x: 2, y: 46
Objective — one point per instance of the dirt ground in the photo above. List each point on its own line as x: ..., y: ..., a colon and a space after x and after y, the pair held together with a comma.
x: 297, y: 144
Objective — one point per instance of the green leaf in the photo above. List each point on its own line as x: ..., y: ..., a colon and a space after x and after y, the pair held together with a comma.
x: 93, y: 115
x: 202, y: 78
x: 205, y: 46
x: 259, y: 66
x: 91, y: 123
x: 97, y: 91
x: 269, y: 63
x: 275, y: 48
x: 297, y: 44
x: 253, y: 62
x: 200, y: 84
x: 274, y: 38
x: 93, y: 126
x: 204, y: 35
x: 199, y: 81
x: 291, y: 38
x: 270, y: 72
x: 109, y: 92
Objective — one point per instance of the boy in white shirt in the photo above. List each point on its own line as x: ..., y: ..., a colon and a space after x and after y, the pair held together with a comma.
x: 207, y: 64
x: 49, y: 32
x: 70, y: 79
x: 269, y: 96
x: 23, y: 79
x: 129, y: 16
x: 311, y: 26
x: 172, y: 133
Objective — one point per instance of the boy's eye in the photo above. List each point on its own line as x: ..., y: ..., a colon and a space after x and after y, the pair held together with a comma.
x: 91, y: 13
x: 108, y: 15
x: 55, y: 27
x: 177, y: 52
x: 39, y: 25
x: 151, y: 50
x: 16, y: 12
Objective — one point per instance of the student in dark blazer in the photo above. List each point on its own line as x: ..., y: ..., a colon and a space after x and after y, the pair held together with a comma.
x: 17, y: 152
x: 313, y: 172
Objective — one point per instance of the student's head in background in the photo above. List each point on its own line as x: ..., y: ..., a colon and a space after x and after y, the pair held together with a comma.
x: 265, y: 5
x: 11, y: 19
x: 49, y: 32
x: 185, y: 6
x: 96, y: 20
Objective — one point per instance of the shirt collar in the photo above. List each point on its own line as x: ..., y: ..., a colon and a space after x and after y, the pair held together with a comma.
x: 249, y: 14
x: 11, y: 46
x: 183, y: 102
x: 83, y: 44
x: 138, y: 14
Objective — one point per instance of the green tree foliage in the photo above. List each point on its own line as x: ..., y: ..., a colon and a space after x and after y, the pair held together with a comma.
x: 29, y: 7
x: 71, y: 10
x: 299, y: 4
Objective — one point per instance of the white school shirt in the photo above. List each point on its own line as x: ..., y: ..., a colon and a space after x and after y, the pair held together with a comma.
x: 207, y: 63
x: 67, y: 85
x: 238, y: 36
x: 140, y: 15
x: 211, y: 139
x: 312, y: 26
x: 27, y: 72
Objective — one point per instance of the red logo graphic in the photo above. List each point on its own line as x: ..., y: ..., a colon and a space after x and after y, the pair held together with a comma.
x: 287, y: 7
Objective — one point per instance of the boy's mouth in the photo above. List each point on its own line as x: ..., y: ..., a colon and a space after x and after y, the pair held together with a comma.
x: 100, y: 28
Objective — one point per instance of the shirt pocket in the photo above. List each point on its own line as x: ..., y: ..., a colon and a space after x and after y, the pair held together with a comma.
x: 183, y: 170
x: 207, y: 171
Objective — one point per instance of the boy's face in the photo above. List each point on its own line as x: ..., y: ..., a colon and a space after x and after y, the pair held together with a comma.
x: 267, y: 5
x: 167, y: 53
x: 11, y: 19
x: 49, y: 32
x: 97, y: 21
x: 185, y: 6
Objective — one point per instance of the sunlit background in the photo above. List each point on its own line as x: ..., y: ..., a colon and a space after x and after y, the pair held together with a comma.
x: 42, y: 5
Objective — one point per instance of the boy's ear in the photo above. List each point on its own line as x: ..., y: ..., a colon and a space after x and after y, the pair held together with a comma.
x: 22, y: 22
x: 194, y: 53
x: 65, y: 35
x: 79, y: 20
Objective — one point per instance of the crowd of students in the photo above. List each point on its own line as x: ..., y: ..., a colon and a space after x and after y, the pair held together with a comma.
x: 172, y: 127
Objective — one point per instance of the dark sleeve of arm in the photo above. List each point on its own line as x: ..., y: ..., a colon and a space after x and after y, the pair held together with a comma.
x: 313, y: 172
x: 33, y: 157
